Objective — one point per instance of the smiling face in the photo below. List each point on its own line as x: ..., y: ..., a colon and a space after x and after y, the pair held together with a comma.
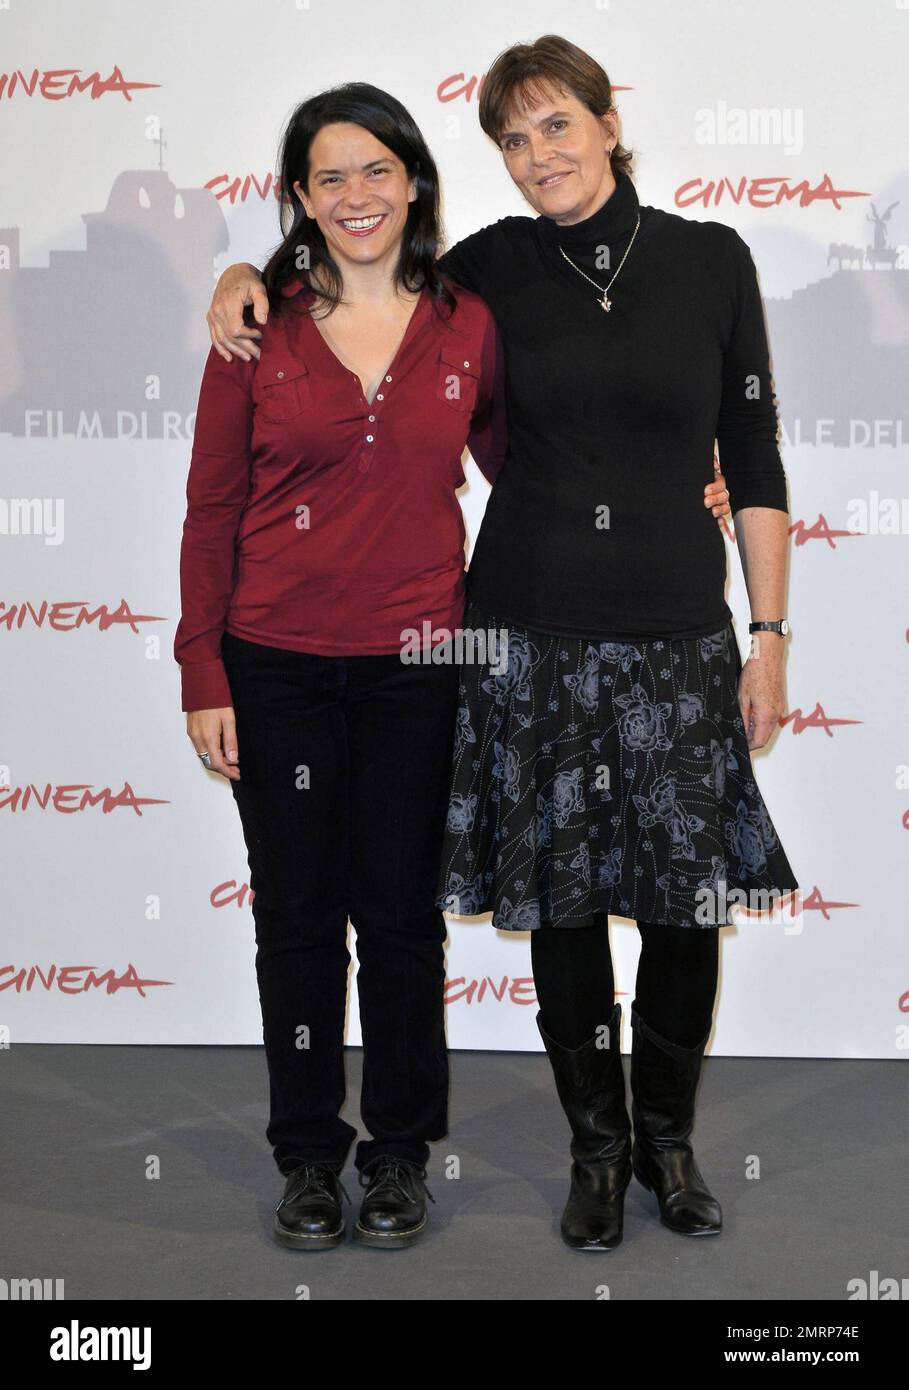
x: 555, y: 151
x: 358, y: 193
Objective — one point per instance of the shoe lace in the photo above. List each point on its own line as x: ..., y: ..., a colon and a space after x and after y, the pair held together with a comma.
x: 393, y: 1174
x: 313, y: 1176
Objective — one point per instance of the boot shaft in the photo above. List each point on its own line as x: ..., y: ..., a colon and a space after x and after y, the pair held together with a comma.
x: 590, y: 1082
x: 664, y: 1082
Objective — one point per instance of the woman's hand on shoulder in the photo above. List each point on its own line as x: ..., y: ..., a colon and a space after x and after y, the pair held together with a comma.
x: 241, y: 284
x: 214, y: 731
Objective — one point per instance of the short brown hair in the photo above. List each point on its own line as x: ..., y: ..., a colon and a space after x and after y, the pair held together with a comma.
x: 521, y: 72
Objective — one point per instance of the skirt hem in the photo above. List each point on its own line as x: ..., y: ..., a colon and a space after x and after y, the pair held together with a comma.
x: 588, y: 919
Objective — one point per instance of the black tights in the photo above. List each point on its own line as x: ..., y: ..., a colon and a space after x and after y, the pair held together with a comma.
x: 675, y: 987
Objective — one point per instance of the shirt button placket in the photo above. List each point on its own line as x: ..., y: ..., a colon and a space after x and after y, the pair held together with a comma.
x: 365, y: 458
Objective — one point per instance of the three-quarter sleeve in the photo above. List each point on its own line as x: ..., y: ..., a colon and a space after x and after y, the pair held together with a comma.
x: 216, y: 491
x: 488, y: 436
x: 747, y: 423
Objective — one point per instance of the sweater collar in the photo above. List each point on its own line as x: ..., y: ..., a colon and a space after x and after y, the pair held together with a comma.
x: 611, y: 220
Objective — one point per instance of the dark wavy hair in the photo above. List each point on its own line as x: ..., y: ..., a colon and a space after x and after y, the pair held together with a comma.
x: 383, y: 116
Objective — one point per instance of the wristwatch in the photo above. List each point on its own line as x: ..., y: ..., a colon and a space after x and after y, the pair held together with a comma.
x: 781, y: 626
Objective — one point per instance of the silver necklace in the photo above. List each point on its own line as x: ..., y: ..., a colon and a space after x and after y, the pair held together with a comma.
x: 605, y: 301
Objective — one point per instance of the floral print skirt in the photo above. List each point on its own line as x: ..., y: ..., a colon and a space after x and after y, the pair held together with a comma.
x: 603, y: 777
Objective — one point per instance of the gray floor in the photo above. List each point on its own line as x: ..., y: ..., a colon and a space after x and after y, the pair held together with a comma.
x: 79, y: 1123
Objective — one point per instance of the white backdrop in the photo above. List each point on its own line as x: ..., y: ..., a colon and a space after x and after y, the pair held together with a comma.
x: 125, y: 917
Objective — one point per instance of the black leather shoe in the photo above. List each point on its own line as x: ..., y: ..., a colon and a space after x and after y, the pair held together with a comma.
x: 591, y: 1086
x: 309, y: 1216
x: 393, y: 1212
x: 664, y: 1079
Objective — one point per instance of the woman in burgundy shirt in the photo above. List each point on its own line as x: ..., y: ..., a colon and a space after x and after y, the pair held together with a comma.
x: 322, y: 526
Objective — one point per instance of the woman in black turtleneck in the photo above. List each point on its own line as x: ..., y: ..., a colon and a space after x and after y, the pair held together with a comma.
x: 608, y: 771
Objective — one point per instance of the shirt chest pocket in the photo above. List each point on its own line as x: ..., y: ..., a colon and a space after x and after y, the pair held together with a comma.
x: 457, y: 378
x: 283, y: 389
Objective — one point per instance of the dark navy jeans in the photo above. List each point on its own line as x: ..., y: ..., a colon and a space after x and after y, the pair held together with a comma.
x: 345, y: 766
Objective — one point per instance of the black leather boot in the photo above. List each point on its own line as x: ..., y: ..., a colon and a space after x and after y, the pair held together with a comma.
x: 664, y: 1079
x: 309, y: 1216
x: 591, y: 1086
x: 393, y: 1212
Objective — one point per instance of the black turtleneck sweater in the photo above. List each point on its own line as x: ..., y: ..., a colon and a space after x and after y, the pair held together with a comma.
x: 596, y: 526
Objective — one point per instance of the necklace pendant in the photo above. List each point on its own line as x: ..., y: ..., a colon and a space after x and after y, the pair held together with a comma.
x: 606, y: 302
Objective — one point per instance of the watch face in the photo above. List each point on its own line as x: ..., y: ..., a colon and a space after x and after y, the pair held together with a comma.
x: 784, y: 627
